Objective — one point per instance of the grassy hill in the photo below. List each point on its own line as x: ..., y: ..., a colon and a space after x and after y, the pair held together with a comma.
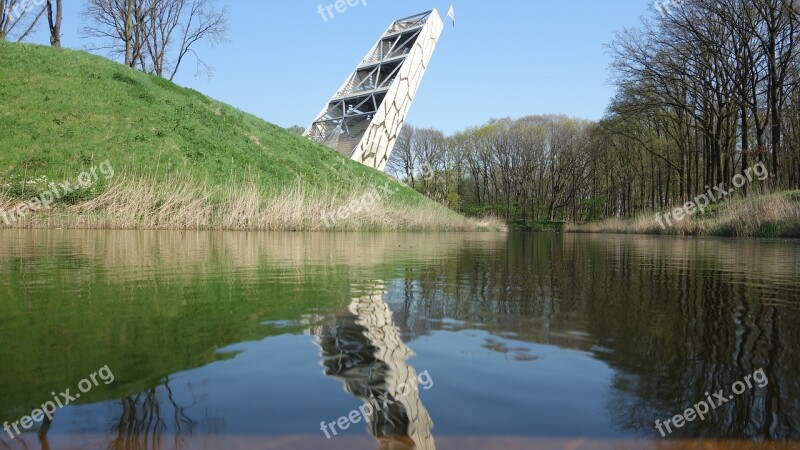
x: 179, y: 159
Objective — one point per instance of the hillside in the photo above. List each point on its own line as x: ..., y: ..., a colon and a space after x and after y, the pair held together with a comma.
x: 173, y: 158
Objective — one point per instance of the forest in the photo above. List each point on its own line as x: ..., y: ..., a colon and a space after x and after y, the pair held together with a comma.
x: 705, y: 89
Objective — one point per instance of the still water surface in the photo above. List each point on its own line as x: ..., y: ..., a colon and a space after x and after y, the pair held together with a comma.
x: 251, y: 340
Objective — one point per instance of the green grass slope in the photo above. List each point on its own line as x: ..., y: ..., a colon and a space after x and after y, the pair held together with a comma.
x: 63, y: 112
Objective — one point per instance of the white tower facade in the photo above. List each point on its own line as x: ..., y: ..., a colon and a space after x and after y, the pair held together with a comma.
x: 364, y: 117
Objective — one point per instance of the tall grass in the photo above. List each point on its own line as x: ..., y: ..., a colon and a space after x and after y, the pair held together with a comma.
x: 771, y: 215
x: 775, y: 215
x: 184, y: 204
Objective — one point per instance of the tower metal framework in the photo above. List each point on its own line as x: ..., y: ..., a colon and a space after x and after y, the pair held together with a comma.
x: 364, y: 117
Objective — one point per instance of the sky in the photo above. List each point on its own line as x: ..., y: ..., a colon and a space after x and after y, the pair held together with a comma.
x: 504, y: 58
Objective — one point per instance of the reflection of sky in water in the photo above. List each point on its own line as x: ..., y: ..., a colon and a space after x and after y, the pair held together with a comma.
x: 276, y: 386
x: 540, y: 335
x: 561, y: 393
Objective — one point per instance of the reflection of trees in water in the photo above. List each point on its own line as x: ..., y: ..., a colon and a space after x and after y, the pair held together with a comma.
x: 363, y: 349
x: 711, y: 332
x: 141, y: 421
x: 147, y: 416
x: 674, y: 318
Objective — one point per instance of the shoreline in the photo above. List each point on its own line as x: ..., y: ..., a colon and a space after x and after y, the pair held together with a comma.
x: 145, y: 204
x: 774, y: 215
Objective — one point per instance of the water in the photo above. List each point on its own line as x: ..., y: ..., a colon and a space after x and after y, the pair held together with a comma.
x: 251, y: 340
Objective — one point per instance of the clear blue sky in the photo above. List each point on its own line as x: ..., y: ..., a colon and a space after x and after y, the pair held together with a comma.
x: 503, y: 59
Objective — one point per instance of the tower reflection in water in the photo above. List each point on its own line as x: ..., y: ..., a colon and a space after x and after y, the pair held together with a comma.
x: 362, y: 348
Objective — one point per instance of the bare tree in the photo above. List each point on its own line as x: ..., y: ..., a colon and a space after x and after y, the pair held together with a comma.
x: 117, y: 24
x: 403, y: 161
x: 19, y: 16
x: 54, y: 22
x: 200, y: 22
x: 156, y: 35
x: 428, y: 145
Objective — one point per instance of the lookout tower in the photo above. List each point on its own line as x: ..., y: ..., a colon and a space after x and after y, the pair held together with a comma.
x: 364, y: 117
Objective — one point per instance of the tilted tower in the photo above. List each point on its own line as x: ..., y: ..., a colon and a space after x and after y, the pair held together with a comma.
x: 364, y: 117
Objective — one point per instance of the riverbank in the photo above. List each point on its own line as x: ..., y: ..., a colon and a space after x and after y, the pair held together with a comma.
x: 183, y: 204
x: 773, y: 216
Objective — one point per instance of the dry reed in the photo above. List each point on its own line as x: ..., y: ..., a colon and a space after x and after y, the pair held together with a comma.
x: 772, y: 215
x: 143, y: 203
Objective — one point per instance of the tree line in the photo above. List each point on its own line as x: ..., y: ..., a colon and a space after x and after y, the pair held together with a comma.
x: 705, y: 90
x: 530, y: 168
x: 154, y: 36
